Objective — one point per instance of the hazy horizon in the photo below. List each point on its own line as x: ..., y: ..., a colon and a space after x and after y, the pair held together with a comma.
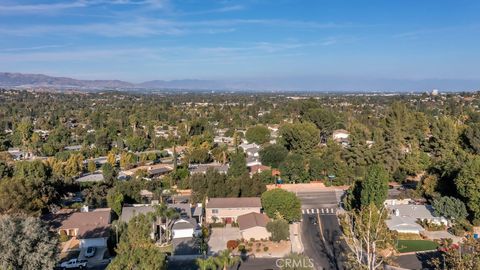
x: 319, y: 45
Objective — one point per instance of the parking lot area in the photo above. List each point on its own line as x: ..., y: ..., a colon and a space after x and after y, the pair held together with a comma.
x: 220, y: 236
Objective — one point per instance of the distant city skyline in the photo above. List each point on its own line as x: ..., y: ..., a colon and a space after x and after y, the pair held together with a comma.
x: 285, y: 44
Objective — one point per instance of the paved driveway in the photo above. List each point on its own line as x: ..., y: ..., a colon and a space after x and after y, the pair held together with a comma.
x: 220, y: 236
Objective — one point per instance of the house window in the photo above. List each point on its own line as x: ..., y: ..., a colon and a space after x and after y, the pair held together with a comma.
x: 214, y: 211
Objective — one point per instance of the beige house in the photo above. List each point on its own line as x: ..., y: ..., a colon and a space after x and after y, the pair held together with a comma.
x: 253, y: 225
x: 227, y: 210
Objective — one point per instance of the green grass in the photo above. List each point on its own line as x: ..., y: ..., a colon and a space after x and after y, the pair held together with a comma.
x: 415, y: 245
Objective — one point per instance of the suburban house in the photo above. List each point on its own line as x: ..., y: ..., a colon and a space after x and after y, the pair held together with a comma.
x: 258, y: 169
x: 73, y: 148
x: 253, y: 225
x: 18, y: 154
x: 202, y: 168
x: 223, y: 140
x: 228, y: 209
x: 252, y: 161
x: 403, y: 217
x: 341, y: 136
x: 90, y: 228
x: 253, y: 152
x: 153, y: 171
x: 95, y: 177
x: 184, y: 228
x: 246, y: 146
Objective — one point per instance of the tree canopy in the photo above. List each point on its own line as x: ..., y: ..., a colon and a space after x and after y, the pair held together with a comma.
x: 281, y: 202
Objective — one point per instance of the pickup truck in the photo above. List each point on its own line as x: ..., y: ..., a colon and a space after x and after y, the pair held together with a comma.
x: 73, y: 264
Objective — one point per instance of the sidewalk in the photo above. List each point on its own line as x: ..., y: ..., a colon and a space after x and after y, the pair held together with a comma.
x: 307, y: 187
x: 295, y: 238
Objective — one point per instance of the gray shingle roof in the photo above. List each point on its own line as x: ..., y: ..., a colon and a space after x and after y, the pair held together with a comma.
x: 234, y: 202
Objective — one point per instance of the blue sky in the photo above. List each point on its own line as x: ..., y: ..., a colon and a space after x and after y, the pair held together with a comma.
x: 302, y: 40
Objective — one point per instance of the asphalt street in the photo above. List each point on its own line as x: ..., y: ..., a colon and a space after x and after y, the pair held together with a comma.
x: 249, y: 264
x: 321, y: 234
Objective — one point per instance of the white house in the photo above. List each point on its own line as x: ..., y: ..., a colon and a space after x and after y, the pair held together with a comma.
x: 183, y: 228
x: 403, y: 217
x: 340, y: 134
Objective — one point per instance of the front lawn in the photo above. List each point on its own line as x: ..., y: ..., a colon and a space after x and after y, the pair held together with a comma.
x: 415, y: 245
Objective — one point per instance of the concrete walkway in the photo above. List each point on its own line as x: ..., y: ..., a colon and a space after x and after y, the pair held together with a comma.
x: 295, y: 238
x: 442, y: 235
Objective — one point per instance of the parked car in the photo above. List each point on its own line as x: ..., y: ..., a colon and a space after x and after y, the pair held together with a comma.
x: 90, y: 252
x: 74, y: 263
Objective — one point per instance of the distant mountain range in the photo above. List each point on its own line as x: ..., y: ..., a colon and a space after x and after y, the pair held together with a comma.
x: 21, y: 80
x: 306, y: 83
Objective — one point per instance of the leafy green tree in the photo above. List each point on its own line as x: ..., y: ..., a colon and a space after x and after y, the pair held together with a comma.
x: 367, y: 234
x: 220, y: 154
x: 24, y: 130
x: 26, y: 243
x: 468, y: 185
x: 279, y: 229
x: 115, y: 201
x: 199, y: 155
x: 109, y: 173
x: 30, y: 190
x: 91, y: 166
x: 127, y: 160
x: 31, y: 171
x: 137, y: 143
x: 316, y: 169
x: 136, y: 249
x: 225, y: 259
x: 96, y: 195
x: 74, y: 166
x: 216, y: 184
x: 206, y: 264
x: 5, y: 170
x: 273, y: 155
x: 111, y: 158
x: 251, y: 186
x: 374, y: 187
x: 258, y: 134
x: 471, y: 137
x: 238, y: 165
x: 450, y: 207
x: 281, y: 202
x: 293, y: 169
x: 301, y: 138
x: 325, y: 119
x: 465, y: 257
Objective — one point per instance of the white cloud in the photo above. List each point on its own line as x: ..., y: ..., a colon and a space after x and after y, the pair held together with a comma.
x: 59, y: 6
x: 43, y: 7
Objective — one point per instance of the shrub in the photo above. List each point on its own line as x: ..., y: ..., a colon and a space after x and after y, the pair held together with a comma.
x: 250, y: 244
x: 279, y: 230
x: 217, y: 225
x: 232, y: 244
x: 257, y: 250
x: 252, y: 239
x: 63, y: 237
x: 265, y: 249
x: 241, y: 248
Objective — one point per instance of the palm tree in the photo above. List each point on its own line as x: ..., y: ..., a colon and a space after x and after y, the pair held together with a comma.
x: 204, y: 264
x: 225, y: 259
x: 162, y: 211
